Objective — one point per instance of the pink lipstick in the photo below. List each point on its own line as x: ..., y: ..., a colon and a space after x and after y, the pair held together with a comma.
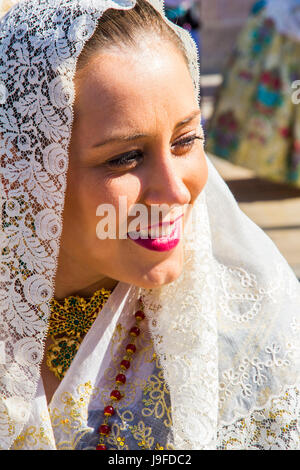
x: 166, y: 241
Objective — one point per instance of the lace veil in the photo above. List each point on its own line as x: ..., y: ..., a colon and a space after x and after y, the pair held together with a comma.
x: 227, y: 331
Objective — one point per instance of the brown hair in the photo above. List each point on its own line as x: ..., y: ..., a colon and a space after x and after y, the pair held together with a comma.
x: 124, y: 27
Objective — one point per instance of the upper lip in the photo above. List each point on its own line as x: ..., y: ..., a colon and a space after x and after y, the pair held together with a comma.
x: 162, y: 224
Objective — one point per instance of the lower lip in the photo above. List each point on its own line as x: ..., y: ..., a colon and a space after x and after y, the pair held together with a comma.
x: 163, y: 243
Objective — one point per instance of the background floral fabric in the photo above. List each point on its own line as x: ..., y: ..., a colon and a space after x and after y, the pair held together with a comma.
x: 255, y: 123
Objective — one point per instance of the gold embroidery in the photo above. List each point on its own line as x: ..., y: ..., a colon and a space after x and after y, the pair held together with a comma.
x: 159, y: 447
x: 121, y: 441
x: 155, y: 394
x: 69, y: 421
x: 125, y: 417
x: 39, y: 438
x: 142, y: 434
x: 115, y: 439
x: 72, y: 420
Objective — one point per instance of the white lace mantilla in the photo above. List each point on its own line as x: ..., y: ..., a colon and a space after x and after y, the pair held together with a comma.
x: 226, y: 332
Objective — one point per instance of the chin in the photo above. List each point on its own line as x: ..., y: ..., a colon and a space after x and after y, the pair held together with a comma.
x: 160, y: 275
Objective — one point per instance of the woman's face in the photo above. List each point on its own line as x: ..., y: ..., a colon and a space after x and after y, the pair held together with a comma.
x: 134, y: 136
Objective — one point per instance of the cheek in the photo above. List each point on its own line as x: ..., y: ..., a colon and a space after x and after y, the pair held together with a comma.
x: 97, y: 188
x: 198, y: 175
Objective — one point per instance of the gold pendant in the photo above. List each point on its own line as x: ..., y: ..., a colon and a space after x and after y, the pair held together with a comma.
x: 61, y: 353
x: 68, y: 325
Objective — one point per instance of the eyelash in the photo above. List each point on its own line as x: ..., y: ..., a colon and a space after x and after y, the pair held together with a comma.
x: 133, y: 156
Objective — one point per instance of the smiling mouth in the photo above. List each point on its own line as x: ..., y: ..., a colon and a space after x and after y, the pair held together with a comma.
x: 157, y: 231
x: 163, y: 237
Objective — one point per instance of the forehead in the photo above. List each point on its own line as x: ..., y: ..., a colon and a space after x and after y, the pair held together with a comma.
x: 134, y: 83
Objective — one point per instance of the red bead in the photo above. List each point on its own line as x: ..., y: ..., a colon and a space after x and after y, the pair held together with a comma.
x: 139, y: 315
x: 109, y: 411
x: 125, y: 364
x: 101, y: 447
x: 120, y: 379
x: 104, y: 429
x: 115, y: 395
x: 130, y: 348
x: 134, y: 331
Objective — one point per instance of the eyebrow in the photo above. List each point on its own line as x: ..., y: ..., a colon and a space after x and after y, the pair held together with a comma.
x: 129, y: 138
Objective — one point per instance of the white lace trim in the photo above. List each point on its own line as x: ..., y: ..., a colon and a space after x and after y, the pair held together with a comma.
x: 275, y: 427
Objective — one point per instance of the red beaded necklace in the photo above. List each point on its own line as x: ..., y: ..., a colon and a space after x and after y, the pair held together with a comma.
x: 116, y: 395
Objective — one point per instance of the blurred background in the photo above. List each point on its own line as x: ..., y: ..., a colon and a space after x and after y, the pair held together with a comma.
x: 250, y: 99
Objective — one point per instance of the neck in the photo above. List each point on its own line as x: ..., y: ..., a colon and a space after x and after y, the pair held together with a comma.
x: 75, y: 280
x: 61, y: 292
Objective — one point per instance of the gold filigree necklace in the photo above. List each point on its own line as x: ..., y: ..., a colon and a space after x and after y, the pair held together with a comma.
x: 68, y: 325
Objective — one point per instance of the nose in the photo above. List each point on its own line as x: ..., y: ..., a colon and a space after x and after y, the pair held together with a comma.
x: 166, y: 182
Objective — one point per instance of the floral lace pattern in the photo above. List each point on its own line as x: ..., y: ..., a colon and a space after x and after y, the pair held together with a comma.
x: 273, y: 428
x: 37, y: 66
x: 227, y: 328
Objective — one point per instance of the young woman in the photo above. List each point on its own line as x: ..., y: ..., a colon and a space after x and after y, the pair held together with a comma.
x: 119, y: 330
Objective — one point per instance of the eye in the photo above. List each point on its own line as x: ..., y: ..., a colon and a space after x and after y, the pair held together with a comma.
x: 182, y: 146
x: 126, y: 161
